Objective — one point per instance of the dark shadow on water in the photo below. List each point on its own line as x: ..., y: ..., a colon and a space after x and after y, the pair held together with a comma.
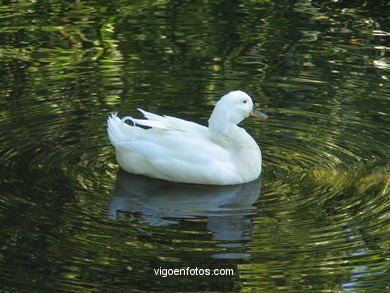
x: 228, y: 209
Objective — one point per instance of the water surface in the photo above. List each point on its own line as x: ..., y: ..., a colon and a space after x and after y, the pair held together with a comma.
x: 316, y: 221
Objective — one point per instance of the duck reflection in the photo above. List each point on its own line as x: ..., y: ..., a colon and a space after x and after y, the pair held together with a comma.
x: 228, y: 209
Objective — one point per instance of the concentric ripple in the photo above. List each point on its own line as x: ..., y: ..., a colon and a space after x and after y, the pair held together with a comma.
x: 322, y: 196
x: 307, y: 147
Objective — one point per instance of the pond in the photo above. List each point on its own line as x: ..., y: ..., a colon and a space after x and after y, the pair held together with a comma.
x: 315, y: 221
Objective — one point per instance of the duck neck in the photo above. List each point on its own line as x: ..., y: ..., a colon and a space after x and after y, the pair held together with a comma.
x: 220, y: 125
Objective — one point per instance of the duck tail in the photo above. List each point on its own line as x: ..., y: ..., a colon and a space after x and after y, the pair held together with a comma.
x: 116, y: 129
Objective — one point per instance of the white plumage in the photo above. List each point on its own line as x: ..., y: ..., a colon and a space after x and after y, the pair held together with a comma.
x: 182, y: 151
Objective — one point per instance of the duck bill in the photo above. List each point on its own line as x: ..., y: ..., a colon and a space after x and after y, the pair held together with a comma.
x: 258, y: 114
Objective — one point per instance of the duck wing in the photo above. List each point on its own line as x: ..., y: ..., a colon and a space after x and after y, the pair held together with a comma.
x: 178, y: 156
x: 166, y: 122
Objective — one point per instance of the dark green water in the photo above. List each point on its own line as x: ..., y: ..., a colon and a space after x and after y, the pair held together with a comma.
x: 316, y: 221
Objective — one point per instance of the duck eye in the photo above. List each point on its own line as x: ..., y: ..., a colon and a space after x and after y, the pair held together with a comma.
x: 244, y: 101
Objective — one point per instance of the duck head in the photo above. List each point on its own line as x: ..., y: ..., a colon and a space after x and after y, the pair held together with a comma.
x: 231, y: 109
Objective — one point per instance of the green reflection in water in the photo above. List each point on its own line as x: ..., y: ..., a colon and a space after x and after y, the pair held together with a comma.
x: 320, y: 70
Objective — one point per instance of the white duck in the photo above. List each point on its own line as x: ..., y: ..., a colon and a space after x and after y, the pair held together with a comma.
x: 177, y: 150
